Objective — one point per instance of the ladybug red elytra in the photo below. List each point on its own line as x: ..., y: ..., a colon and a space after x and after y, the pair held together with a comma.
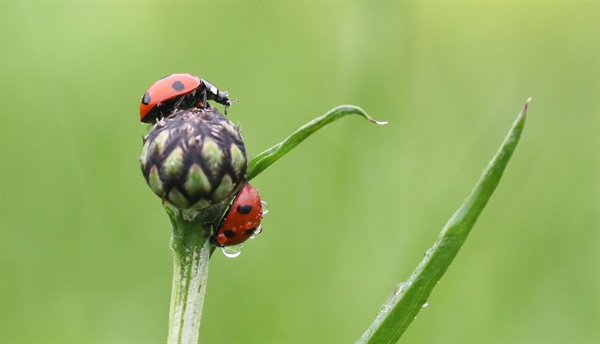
x: 179, y: 91
x: 242, y: 219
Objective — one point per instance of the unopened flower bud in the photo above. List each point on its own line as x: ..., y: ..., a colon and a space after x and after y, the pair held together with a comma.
x: 194, y: 158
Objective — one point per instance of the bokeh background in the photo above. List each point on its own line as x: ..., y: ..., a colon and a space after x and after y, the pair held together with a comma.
x: 85, y: 243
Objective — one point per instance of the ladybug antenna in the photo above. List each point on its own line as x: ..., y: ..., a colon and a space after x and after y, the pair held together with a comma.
x: 228, y: 103
x: 223, y: 98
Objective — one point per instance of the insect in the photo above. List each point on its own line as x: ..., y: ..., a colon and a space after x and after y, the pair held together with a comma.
x: 242, y: 219
x: 179, y: 91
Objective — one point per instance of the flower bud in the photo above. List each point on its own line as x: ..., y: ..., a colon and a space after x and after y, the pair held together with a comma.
x: 194, y: 159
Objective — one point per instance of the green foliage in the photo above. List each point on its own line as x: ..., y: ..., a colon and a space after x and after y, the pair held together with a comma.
x: 192, y: 252
x: 410, y: 297
x: 263, y: 160
x: 189, y: 243
x: 84, y: 242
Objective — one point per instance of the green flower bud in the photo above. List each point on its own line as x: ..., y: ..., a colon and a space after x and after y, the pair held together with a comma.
x: 194, y: 159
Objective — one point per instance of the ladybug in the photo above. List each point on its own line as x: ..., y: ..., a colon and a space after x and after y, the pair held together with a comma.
x: 242, y: 219
x: 179, y: 91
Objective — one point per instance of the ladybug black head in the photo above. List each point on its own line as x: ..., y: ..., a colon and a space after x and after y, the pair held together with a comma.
x: 211, y: 92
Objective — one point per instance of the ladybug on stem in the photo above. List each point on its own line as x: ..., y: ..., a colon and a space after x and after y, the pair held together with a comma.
x: 242, y: 219
x: 179, y: 91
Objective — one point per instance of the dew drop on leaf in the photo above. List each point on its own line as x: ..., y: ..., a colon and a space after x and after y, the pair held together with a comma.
x: 399, y: 288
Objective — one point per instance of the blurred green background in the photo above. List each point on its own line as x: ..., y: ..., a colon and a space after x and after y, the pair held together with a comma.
x: 85, y: 243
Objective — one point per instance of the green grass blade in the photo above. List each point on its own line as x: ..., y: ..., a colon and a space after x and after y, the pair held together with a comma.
x: 411, y: 296
x: 263, y: 160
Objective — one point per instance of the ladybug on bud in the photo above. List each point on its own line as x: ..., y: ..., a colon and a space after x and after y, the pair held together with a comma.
x: 242, y: 219
x: 179, y: 92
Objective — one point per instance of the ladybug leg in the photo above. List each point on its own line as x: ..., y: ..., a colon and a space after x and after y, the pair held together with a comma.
x: 204, y: 99
x: 209, y: 229
x: 178, y: 103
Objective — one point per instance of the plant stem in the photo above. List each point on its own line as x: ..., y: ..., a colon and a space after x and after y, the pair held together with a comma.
x: 191, y: 254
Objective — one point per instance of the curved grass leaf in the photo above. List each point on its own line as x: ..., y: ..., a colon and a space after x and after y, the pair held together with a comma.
x: 410, y: 297
x: 263, y: 160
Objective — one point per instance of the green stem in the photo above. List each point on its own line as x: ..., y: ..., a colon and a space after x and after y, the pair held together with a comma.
x: 191, y: 251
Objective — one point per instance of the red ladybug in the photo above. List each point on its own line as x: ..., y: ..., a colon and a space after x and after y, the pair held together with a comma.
x: 179, y: 91
x: 242, y: 219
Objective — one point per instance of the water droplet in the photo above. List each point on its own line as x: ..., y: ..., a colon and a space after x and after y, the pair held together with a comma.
x: 232, y: 251
x: 258, y: 230
x: 265, y: 207
x: 385, y: 309
x: 425, y: 304
x: 399, y: 288
x: 428, y: 253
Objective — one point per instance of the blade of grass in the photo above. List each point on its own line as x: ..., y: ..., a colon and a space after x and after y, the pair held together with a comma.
x: 410, y: 297
x: 263, y: 160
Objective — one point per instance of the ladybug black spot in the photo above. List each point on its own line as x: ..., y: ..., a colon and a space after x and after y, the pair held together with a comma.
x: 250, y: 231
x: 146, y: 98
x: 244, y: 209
x: 229, y: 233
x: 177, y: 85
